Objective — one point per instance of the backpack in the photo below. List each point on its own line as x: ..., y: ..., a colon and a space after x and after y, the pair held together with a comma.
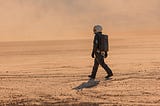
x: 103, y: 46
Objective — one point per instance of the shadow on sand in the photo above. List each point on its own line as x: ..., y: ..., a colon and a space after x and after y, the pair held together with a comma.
x: 89, y: 84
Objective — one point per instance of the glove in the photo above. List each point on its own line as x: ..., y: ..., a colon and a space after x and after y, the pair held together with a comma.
x: 92, y: 55
x: 106, y: 54
x: 103, y: 54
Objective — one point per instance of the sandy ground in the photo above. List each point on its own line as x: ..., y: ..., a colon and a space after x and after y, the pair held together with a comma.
x: 55, y: 73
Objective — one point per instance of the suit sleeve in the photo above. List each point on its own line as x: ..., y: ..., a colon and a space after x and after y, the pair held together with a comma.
x: 95, y: 44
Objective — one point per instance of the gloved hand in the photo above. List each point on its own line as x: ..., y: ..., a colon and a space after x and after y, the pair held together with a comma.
x: 103, y: 54
x: 92, y: 55
x: 106, y: 54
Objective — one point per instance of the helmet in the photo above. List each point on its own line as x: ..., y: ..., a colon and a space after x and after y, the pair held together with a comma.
x: 97, y: 28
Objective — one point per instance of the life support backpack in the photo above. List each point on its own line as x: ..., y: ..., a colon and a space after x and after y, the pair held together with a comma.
x: 103, y: 46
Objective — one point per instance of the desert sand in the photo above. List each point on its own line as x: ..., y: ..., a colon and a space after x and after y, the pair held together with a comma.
x: 53, y: 73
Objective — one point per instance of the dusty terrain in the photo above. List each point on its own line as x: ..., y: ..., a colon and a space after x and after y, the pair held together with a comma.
x: 46, y: 73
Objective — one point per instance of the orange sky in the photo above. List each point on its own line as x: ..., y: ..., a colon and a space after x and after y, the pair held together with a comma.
x: 73, y: 19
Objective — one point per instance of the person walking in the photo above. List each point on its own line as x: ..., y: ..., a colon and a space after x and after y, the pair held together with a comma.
x: 99, y: 52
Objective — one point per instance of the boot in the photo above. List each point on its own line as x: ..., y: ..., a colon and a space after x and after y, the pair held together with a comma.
x: 108, y: 76
x: 90, y: 76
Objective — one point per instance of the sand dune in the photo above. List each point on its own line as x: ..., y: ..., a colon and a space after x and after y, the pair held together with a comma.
x: 45, y: 73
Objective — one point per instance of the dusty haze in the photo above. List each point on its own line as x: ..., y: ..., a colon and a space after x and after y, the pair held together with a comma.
x: 52, y: 72
x: 73, y: 19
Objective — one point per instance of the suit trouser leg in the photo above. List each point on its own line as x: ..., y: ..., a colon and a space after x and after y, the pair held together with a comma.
x: 95, y: 68
x: 100, y: 60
